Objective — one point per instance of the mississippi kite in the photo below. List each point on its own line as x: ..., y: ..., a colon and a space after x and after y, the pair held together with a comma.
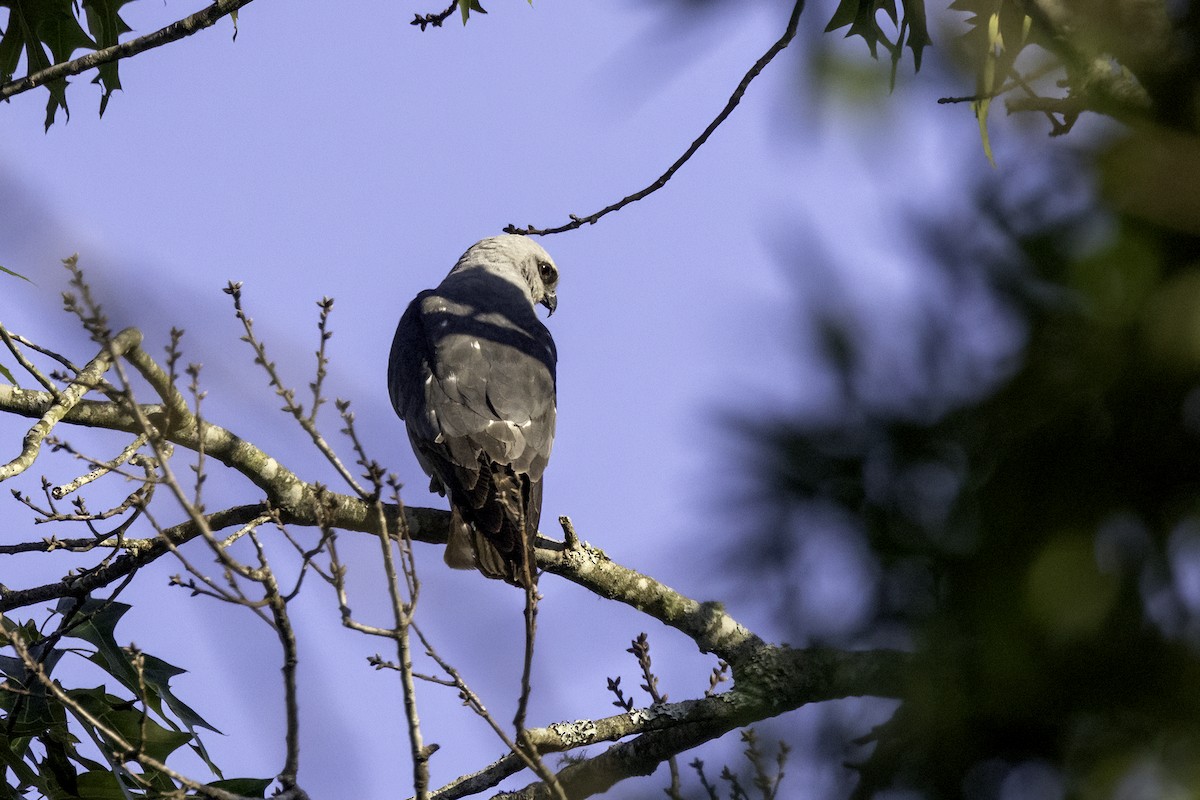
x: 472, y: 374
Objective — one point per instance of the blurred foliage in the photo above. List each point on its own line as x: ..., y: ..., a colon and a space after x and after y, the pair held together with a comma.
x: 40, y: 751
x: 1038, y: 546
x: 861, y: 17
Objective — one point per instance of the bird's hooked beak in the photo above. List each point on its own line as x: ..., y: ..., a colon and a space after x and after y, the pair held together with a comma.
x: 550, y: 301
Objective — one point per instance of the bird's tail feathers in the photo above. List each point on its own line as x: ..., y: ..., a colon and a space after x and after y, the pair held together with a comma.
x: 488, y: 525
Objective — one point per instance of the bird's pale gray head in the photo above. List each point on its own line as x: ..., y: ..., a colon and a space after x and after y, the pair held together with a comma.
x: 518, y: 259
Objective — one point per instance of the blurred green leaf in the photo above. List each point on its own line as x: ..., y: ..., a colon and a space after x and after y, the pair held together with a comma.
x: 1066, y: 592
x: 246, y: 787
x: 860, y: 16
x: 8, y: 271
x: 980, y: 107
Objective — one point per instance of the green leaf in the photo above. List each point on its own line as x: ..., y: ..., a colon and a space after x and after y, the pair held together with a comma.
x: 467, y: 6
x: 31, y: 712
x: 157, y: 674
x: 35, y: 26
x: 100, y: 785
x: 54, y: 24
x: 860, y: 16
x: 98, y: 627
x: 11, y: 752
x: 246, y: 787
x: 10, y: 52
x: 58, y: 769
x: 981, y: 111
x: 133, y: 725
x: 8, y: 376
x: 918, y: 30
x: 95, y: 622
x: 995, y: 37
x: 8, y: 271
x: 106, y: 26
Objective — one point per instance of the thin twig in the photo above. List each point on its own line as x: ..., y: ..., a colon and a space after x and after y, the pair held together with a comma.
x: 287, y: 640
x: 290, y: 406
x: 403, y: 615
x: 730, y: 105
x: 434, y: 20
x: 520, y: 755
x: 101, y: 468
x: 25, y: 363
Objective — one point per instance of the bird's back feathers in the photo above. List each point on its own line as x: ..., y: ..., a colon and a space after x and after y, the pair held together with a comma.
x: 472, y: 373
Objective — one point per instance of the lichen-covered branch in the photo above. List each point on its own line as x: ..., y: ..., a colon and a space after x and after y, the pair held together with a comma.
x: 768, y: 679
x: 782, y: 680
x: 713, y: 630
x: 54, y: 409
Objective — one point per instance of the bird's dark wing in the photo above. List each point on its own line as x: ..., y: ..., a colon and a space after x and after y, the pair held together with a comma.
x: 477, y: 393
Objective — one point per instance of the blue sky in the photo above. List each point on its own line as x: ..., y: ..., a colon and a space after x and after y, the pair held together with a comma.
x: 352, y: 156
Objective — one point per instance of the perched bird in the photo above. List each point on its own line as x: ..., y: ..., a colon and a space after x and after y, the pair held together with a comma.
x: 472, y: 374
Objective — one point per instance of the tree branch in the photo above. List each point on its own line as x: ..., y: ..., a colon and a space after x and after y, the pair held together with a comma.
x: 713, y: 630
x: 730, y: 105
x: 205, y: 18
x: 802, y: 677
x: 59, y: 407
x: 768, y: 679
x: 436, y: 20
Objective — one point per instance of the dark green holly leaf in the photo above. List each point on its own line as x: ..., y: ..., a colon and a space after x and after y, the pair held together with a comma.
x: 54, y: 23
x: 156, y: 674
x: 104, y: 21
x: 29, y: 632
